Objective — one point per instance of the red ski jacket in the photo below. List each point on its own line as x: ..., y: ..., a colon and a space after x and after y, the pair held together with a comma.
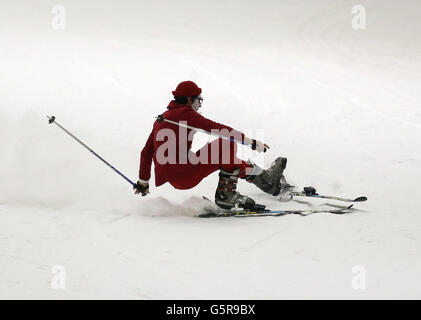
x: 176, y: 112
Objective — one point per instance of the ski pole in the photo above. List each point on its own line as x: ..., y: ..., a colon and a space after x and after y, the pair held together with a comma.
x: 161, y: 118
x: 52, y: 120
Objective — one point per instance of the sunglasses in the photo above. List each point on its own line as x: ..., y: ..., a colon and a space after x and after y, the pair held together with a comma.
x: 200, y: 99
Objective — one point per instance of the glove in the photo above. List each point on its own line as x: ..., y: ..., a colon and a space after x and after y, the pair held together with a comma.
x: 259, y: 146
x: 141, y: 187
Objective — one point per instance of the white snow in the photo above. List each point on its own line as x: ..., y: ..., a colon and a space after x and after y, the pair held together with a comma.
x: 342, y: 104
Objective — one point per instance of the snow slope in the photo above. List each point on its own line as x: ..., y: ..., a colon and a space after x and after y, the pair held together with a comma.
x: 341, y: 104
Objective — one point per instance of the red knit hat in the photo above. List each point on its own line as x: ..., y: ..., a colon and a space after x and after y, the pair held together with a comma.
x: 187, y: 89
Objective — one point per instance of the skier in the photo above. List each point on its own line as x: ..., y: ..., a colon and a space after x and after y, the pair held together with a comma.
x: 186, y: 174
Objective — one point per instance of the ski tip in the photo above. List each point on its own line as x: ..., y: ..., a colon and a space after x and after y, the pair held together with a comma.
x: 360, y: 199
x: 341, y: 211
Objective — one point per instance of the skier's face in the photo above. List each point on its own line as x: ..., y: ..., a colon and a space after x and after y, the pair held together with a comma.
x: 197, y: 103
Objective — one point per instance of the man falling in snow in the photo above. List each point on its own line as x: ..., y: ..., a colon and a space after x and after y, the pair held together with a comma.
x: 184, y: 174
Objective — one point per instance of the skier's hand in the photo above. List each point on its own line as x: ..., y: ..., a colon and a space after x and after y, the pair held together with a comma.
x: 259, y: 146
x: 141, y: 187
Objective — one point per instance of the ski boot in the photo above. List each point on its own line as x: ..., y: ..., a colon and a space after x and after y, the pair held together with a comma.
x: 272, y: 180
x: 227, y: 197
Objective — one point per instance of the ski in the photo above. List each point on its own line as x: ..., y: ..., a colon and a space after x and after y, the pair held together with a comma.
x: 311, y: 192
x: 218, y: 212
x: 302, y: 194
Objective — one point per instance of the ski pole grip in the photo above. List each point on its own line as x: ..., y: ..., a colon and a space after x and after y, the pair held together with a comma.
x: 160, y: 118
x: 142, y: 189
x: 253, y: 144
